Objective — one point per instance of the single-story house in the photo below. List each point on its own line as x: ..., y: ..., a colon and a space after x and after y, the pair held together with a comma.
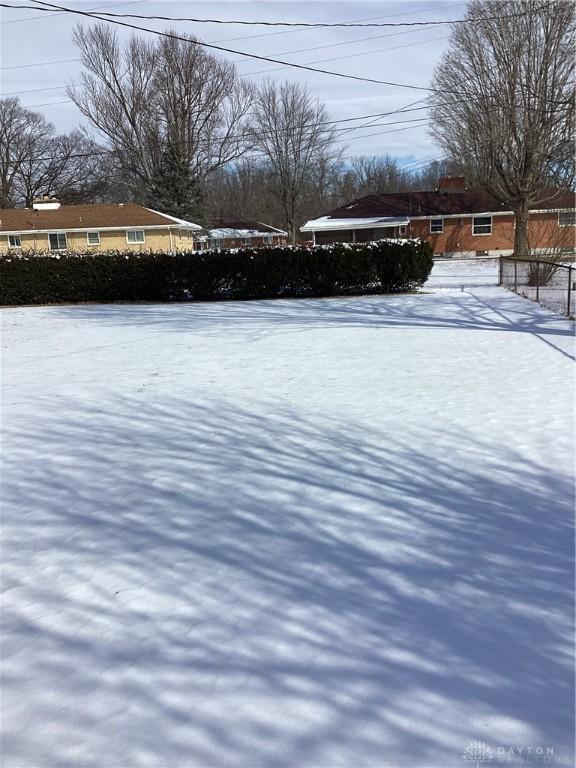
x: 50, y: 226
x: 458, y: 221
x: 240, y: 233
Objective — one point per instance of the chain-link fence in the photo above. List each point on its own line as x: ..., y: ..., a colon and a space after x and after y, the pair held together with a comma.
x: 464, y: 273
x: 549, y: 283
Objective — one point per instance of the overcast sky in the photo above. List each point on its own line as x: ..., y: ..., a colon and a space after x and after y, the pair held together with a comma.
x: 400, y: 55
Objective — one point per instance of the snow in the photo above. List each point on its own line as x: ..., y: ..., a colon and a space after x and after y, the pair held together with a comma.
x: 329, y: 223
x: 474, y: 272
x: 182, y: 223
x: 277, y: 534
x: 225, y: 233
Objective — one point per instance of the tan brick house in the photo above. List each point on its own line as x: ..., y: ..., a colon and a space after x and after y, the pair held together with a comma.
x: 457, y: 221
x: 50, y: 226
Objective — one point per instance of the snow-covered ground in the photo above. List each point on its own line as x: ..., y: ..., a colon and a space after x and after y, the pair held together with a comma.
x: 469, y: 273
x: 291, y: 534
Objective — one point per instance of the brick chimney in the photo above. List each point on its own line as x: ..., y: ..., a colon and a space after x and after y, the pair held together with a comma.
x: 451, y: 184
x: 45, y: 203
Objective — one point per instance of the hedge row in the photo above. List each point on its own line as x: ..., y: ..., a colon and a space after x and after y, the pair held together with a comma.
x: 284, y: 271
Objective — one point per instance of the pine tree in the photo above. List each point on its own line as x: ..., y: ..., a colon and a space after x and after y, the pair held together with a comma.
x: 174, y: 189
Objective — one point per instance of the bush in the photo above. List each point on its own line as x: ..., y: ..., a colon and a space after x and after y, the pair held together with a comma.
x: 262, y: 273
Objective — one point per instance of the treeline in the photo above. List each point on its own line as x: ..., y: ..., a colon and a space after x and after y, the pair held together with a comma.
x: 175, y: 128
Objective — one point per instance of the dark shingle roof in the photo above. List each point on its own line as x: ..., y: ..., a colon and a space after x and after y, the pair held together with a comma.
x: 476, y: 200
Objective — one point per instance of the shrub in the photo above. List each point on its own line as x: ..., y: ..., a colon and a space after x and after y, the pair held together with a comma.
x: 283, y: 271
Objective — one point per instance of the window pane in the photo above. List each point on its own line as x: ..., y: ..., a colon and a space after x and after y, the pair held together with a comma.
x: 93, y: 238
x: 14, y: 241
x: 136, y: 236
x: 567, y: 218
x: 57, y: 241
x: 436, y: 225
x: 482, y: 225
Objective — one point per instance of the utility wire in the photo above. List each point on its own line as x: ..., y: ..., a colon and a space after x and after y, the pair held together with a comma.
x: 303, y: 24
x: 249, y: 135
x: 302, y: 31
x: 35, y: 18
x: 249, y: 74
x: 303, y: 67
x: 250, y: 37
x: 39, y: 64
x: 348, y: 56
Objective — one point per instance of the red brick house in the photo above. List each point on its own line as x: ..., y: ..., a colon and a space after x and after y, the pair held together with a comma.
x: 457, y: 221
x: 240, y: 234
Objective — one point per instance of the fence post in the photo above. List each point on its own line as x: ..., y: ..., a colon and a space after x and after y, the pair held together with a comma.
x: 569, y: 291
x: 537, y: 282
x: 515, y: 277
x: 500, y: 269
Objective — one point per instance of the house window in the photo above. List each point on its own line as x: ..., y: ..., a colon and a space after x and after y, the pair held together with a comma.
x: 134, y: 236
x: 402, y: 229
x: 216, y: 243
x: 268, y: 239
x: 436, y: 226
x: 567, y: 219
x: 93, y: 238
x: 482, y: 225
x: 246, y: 240
x: 57, y: 241
x: 14, y: 241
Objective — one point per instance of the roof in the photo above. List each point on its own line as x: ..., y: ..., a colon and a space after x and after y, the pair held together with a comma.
x: 394, y: 205
x: 328, y: 223
x: 235, y: 228
x: 87, y: 216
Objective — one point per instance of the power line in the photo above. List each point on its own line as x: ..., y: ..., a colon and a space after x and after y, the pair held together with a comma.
x: 304, y: 67
x: 335, y: 45
x: 250, y: 37
x: 39, y: 63
x: 242, y: 53
x: 48, y: 104
x: 302, y: 31
x: 382, y: 133
x: 36, y: 90
x: 348, y: 56
x: 303, y: 24
x: 35, y: 18
x: 249, y: 74
x: 249, y: 135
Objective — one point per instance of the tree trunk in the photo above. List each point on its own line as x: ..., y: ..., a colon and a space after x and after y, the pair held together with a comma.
x: 521, y: 232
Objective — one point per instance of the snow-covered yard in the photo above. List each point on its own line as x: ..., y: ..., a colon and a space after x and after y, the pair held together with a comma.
x: 290, y: 534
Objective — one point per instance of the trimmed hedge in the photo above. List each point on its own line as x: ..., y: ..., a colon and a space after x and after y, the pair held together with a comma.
x: 262, y: 273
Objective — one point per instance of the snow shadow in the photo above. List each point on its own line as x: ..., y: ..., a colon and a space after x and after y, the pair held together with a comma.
x: 486, y: 309
x: 198, y: 585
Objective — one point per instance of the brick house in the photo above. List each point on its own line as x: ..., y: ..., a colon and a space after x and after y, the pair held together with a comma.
x: 240, y: 233
x: 457, y: 221
x: 50, y: 226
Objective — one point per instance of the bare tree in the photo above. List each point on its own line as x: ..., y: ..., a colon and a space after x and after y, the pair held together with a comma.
x: 166, y: 108
x: 69, y: 166
x: 22, y: 138
x: 292, y: 133
x: 34, y: 161
x: 504, y: 101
